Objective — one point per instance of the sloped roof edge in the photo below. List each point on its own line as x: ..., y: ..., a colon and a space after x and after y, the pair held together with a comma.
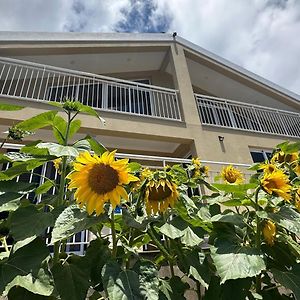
x: 17, y: 36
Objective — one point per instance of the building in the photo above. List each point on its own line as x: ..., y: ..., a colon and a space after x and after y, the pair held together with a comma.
x: 160, y: 95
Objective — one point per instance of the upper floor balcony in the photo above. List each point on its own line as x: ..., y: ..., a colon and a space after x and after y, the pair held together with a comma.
x: 37, y: 82
x: 42, y: 83
x: 248, y: 117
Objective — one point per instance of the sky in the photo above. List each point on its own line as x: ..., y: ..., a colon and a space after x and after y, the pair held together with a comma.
x: 259, y: 35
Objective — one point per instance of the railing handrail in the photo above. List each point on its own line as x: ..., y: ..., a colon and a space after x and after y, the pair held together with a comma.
x: 106, y: 79
x: 229, y: 101
x: 150, y: 157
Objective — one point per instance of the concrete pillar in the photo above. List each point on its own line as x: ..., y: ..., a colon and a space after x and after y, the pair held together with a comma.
x: 188, y: 103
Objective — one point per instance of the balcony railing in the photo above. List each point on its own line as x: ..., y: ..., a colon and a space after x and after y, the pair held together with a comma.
x: 231, y: 114
x: 31, y: 81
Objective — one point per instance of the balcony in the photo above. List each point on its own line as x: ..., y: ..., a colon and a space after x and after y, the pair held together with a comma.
x: 30, y: 81
x: 231, y: 114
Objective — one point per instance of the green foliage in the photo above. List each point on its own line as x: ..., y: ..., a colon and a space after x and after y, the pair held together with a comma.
x: 238, y: 241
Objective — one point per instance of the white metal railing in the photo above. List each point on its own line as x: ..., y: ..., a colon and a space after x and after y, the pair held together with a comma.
x: 231, y: 114
x: 26, y: 80
x: 78, y: 243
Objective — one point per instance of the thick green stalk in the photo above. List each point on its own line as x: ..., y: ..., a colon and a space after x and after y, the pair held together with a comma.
x: 62, y: 183
x: 113, y: 234
x: 257, y: 237
x: 164, y: 251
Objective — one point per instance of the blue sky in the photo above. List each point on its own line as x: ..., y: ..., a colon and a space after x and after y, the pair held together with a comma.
x: 259, y: 35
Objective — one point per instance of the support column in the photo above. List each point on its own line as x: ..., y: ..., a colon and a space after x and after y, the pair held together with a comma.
x: 187, y: 100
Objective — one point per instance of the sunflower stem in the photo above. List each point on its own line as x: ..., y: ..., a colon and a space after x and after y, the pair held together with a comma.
x: 113, y: 234
x: 160, y: 246
x: 257, y: 237
x: 56, y: 252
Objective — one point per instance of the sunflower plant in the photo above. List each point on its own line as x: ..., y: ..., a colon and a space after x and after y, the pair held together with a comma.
x: 232, y: 239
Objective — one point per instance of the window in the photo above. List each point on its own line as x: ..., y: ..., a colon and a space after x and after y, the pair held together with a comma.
x: 260, y: 155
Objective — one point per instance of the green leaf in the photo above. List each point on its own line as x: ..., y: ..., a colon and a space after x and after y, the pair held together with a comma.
x: 20, y: 168
x: 10, y: 107
x: 234, y: 188
x: 120, y: 284
x: 59, y: 150
x: 34, y: 151
x: 97, y: 255
x: 148, y: 279
x: 190, y: 238
x: 19, y: 293
x: 90, y: 111
x: 10, y: 201
x: 71, y: 279
x: 24, y: 261
x: 17, y: 187
x: 289, y: 147
x: 289, y: 279
x: 59, y: 129
x: 178, y: 288
x: 233, y: 261
x: 74, y: 127
x: 44, y: 188
x: 134, y: 166
x: 82, y: 145
x: 39, y: 121
x: 98, y: 148
x: 287, y: 218
x: 174, y: 229
x: 40, y: 284
x: 29, y: 221
x: 71, y: 221
x: 230, y: 217
x: 194, y: 264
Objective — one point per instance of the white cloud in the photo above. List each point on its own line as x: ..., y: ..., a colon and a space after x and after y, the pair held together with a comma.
x: 260, y: 35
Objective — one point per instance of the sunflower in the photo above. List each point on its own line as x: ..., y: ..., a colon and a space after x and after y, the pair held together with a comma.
x: 269, y: 232
x: 278, y: 183
x: 280, y: 157
x: 232, y: 175
x: 268, y: 168
x: 159, y: 195
x: 99, y: 179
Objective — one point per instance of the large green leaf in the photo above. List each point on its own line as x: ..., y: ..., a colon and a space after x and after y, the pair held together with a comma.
x: 59, y: 129
x: 19, y: 293
x: 17, y: 187
x: 234, y: 188
x: 74, y: 127
x: 287, y: 218
x: 20, y: 168
x: 59, y: 150
x: 230, y: 217
x: 190, y: 237
x: 24, y: 261
x: 10, y: 201
x: 45, y: 187
x: 10, y: 107
x: 29, y: 221
x: 71, y: 279
x: 234, y: 261
x: 194, y: 264
x: 148, y: 278
x: 71, y: 221
x: 37, y: 122
x: 97, y: 255
x: 97, y: 147
x: 120, y: 284
x: 90, y: 111
x: 41, y: 283
x: 289, y: 279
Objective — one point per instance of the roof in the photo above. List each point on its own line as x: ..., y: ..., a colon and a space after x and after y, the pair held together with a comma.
x: 17, y: 36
